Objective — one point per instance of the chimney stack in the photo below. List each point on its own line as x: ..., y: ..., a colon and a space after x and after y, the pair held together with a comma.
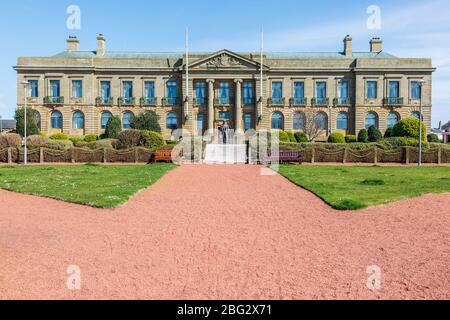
x: 73, y: 44
x: 440, y: 125
x: 101, y: 45
x: 348, y: 50
x: 376, y: 45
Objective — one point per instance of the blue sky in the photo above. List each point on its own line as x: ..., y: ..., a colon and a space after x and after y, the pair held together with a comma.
x: 409, y: 29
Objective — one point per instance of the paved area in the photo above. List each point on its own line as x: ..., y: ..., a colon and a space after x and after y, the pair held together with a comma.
x: 223, y: 232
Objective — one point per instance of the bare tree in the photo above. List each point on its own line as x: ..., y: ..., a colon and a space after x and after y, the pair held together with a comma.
x: 313, y: 126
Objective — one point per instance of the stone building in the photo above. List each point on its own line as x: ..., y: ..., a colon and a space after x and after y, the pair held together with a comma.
x: 77, y: 91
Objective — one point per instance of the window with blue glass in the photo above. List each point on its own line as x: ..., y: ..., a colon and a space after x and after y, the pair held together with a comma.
x: 277, y: 92
x: 105, y: 90
x: 299, y: 90
x: 321, y: 90
x: 248, y: 93
x: 78, y: 120
x: 55, y: 88
x: 343, y: 89
x: 200, y: 120
x: 277, y: 121
x: 127, y: 91
x: 416, y: 90
x: 299, y: 121
x: 321, y: 120
x: 126, y: 121
x: 394, y: 89
x: 77, y: 89
x: 224, y: 115
x: 172, y: 91
x: 105, y: 118
x: 415, y: 114
x: 342, y: 121
x: 247, y: 121
x: 224, y: 92
x: 149, y: 89
x: 56, y: 120
x: 34, y: 88
x: 371, y: 120
x: 372, y: 88
x: 172, y: 121
x: 200, y: 92
x: 392, y: 119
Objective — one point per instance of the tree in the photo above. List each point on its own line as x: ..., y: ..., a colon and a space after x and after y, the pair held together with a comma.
x: 388, y: 133
x: 113, y: 127
x: 363, y: 136
x: 374, y: 134
x: 146, y: 121
x: 32, y: 122
x: 311, y: 125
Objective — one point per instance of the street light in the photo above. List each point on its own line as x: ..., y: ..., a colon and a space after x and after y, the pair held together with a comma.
x: 421, y: 83
x: 25, y: 151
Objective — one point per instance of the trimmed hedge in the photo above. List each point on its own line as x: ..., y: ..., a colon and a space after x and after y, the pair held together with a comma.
x: 363, y: 136
x: 36, y: 141
x: 336, y: 137
x: 374, y: 134
x: 91, y: 137
x: 59, y: 144
x: 59, y: 136
x: 10, y: 140
x: 351, y: 138
x: 130, y: 138
x: 153, y: 140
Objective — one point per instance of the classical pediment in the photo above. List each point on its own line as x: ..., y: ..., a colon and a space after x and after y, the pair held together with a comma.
x: 224, y: 59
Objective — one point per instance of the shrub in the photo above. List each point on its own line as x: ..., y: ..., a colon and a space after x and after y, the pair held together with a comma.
x: 409, y: 127
x: 100, y: 144
x: 146, y: 121
x: 396, y: 142
x: 32, y: 121
x: 374, y: 134
x: 351, y: 139
x: 113, y: 127
x: 336, y: 137
x: 291, y: 136
x: 90, y: 137
x: 363, y: 136
x: 432, y: 137
x: 130, y: 138
x: 284, y: 137
x: 42, y: 133
x: 36, y: 141
x: 301, y: 137
x: 388, y: 133
x: 10, y: 140
x: 153, y: 140
x: 82, y: 144
x: 59, y: 136
x: 75, y: 140
x: 59, y: 144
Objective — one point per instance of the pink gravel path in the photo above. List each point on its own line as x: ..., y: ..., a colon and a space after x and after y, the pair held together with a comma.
x: 223, y: 232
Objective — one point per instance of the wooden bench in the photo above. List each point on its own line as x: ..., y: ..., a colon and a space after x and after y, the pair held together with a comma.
x: 284, y: 156
x: 162, y: 156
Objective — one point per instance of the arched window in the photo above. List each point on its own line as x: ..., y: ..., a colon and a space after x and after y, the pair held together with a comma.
x: 277, y: 121
x: 322, y: 121
x: 105, y: 118
x: 415, y: 114
x: 342, y: 121
x: 299, y: 121
x: 56, y: 120
x: 172, y: 121
x: 371, y: 120
x: 37, y: 118
x: 200, y: 123
x: 127, y: 117
x: 78, y: 120
x: 392, y: 119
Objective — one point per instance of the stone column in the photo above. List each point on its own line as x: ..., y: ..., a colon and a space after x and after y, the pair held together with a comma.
x: 238, y: 104
x: 210, y: 104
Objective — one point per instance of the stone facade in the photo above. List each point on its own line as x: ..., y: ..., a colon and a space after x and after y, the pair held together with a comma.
x: 215, y: 69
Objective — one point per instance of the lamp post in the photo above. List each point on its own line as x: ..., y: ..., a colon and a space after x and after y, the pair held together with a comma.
x: 25, y: 151
x: 421, y: 83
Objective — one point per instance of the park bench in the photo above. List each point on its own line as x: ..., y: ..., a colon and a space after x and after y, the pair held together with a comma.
x: 162, y: 156
x: 283, y: 156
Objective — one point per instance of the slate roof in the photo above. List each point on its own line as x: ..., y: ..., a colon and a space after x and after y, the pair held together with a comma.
x: 8, y: 124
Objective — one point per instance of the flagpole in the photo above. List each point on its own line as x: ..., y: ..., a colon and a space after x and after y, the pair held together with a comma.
x: 187, y: 72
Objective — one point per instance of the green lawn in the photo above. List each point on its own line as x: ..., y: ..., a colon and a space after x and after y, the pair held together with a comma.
x: 352, y: 188
x: 94, y: 185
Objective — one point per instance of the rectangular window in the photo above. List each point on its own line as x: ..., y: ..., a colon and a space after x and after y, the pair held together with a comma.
x: 127, y: 92
x: 224, y: 115
x: 343, y: 89
x: 247, y: 121
x: 321, y: 90
x: 200, y: 92
x: 394, y: 89
x: 248, y: 93
x: 299, y: 90
x: 55, y: 88
x: 77, y: 89
x: 149, y: 89
x: 171, y: 91
x: 372, y: 88
x: 416, y: 90
x: 277, y: 91
x: 34, y: 88
x: 105, y: 90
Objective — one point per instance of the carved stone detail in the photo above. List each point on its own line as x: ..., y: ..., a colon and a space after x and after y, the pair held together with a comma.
x: 223, y: 61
